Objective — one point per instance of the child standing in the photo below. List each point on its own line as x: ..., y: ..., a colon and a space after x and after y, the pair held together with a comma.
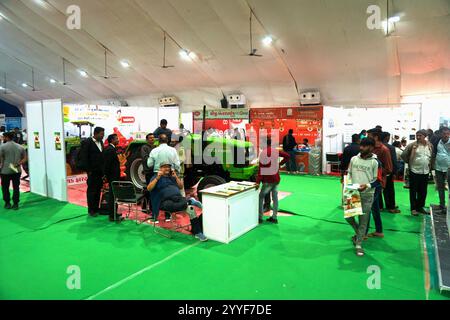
x: 364, y: 170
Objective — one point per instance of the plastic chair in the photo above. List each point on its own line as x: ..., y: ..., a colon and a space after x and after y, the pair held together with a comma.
x: 125, y: 194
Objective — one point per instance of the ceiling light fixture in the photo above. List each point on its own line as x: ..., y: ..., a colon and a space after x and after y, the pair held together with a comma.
x: 1, y: 88
x: 125, y: 64
x: 184, y: 54
x: 83, y: 73
x: 394, y: 19
x: 24, y: 85
x: 52, y: 81
x: 267, y: 41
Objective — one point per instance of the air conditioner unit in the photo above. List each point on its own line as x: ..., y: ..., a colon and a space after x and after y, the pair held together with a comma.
x: 118, y: 103
x: 310, y: 97
x: 236, y: 100
x: 168, y: 101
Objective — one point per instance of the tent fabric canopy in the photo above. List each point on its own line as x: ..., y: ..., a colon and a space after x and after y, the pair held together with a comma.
x: 324, y: 45
x: 9, y: 110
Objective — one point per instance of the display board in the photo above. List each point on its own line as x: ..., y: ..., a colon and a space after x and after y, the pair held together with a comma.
x: 36, y: 148
x: 305, y: 121
x: 223, y: 120
x: 55, y: 149
x: 340, y: 123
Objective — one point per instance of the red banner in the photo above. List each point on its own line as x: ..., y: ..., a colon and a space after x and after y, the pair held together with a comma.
x: 305, y: 121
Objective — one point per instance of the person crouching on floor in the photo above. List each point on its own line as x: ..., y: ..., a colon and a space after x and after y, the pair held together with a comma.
x: 364, y: 170
x: 165, y: 194
x: 269, y: 175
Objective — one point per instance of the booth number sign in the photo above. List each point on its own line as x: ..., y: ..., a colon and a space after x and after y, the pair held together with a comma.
x: 58, y: 141
x: 37, y: 142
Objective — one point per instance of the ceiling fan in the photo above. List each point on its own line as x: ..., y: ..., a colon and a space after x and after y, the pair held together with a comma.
x: 32, y: 86
x: 253, y: 51
x: 106, y: 76
x: 64, y: 83
x: 164, y: 66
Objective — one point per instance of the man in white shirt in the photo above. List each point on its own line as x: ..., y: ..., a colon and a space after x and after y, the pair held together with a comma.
x: 418, y: 155
x: 163, y: 154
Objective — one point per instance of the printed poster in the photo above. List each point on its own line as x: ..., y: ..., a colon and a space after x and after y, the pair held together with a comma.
x: 352, y: 199
x: 37, y: 142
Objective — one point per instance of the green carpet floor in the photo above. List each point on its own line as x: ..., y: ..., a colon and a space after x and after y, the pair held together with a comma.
x: 306, y: 256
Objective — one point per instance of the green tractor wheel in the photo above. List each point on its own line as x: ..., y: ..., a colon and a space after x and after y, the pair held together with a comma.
x: 135, y: 170
x: 208, y: 182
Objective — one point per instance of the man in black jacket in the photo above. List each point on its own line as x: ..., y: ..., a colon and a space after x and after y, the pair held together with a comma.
x: 92, y: 159
x: 289, y: 145
x: 145, y: 153
x: 350, y: 151
x: 389, y: 191
x: 112, y: 172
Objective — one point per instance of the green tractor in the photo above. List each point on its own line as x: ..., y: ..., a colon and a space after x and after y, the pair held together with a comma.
x: 73, y: 145
x: 235, y: 160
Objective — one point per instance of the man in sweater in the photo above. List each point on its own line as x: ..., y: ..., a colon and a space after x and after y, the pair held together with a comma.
x: 384, y: 156
x: 419, y: 157
x: 364, y: 170
x: 269, y: 175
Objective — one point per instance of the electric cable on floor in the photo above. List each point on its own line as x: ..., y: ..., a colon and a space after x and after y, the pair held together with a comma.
x: 47, y: 226
x: 342, y: 222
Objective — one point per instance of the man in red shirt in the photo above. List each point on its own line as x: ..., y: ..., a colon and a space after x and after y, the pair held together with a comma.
x: 269, y: 175
x: 384, y: 156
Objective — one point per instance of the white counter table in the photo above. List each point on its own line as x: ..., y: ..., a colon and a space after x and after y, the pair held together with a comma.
x: 229, y: 210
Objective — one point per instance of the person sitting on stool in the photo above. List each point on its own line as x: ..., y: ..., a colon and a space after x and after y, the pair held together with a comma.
x: 165, y: 194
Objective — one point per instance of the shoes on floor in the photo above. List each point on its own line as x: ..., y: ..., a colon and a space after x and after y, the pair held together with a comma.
x: 423, y: 211
x: 414, y: 213
x: 359, y: 251
x: 272, y: 220
x: 194, y: 202
x: 365, y: 238
x: 376, y: 235
x: 118, y: 219
x: 394, y: 211
x: 8, y: 206
x: 15, y: 207
x: 200, y: 236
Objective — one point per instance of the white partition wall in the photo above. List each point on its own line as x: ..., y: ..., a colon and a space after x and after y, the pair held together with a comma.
x: 55, y: 149
x: 36, y: 148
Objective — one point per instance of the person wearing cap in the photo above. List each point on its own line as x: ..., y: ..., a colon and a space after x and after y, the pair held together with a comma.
x: 165, y: 194
x: 419, y: 157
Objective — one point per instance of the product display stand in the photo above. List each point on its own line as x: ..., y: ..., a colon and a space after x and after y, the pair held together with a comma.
x: 229, y: 210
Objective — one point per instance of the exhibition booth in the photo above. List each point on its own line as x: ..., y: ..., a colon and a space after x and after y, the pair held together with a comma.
x: 57, y: 130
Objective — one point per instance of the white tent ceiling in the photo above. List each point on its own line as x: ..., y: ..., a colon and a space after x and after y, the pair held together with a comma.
x: 324, y: 44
